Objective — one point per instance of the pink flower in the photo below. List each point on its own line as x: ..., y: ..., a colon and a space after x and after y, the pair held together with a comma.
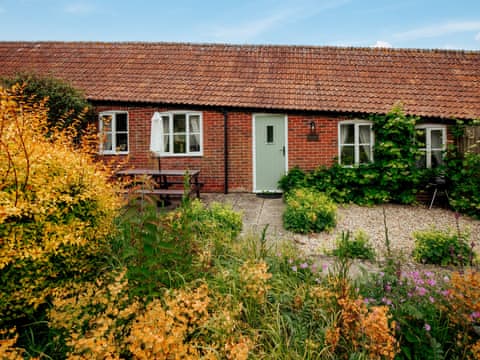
x: 303, y: 265
x: 421, y: 291
x: 432, y: 300
x: 431, y: 282
x: 475, y: 315
x: 427, y: 327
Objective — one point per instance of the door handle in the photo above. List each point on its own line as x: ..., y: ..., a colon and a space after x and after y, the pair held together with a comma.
x: 283, y: 150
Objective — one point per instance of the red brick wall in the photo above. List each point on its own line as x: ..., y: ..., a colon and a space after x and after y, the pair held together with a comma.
x: 310, y: 154
x: 303, y: 153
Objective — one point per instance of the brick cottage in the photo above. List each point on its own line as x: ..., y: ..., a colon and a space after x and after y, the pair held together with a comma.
x: 242, y: 114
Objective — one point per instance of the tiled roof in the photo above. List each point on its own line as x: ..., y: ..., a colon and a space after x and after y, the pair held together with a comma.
x: 436, y: 83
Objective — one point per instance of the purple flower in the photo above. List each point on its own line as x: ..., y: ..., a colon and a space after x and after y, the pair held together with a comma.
x: 388, y: 288
x: 431, y: 282
x: 294, y: 268
x: 432, y: 300
x: 303, y: 265
x: 427, y: 327
x: 429, y: 274
x: 445, y: 293
x: 387, y: 301
x: 324, y: 267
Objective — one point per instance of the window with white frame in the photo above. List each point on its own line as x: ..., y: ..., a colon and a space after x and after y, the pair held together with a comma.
x: 355, y: 142
x: 113, y: 127
x: 177, y: 133
x: 432, y: 141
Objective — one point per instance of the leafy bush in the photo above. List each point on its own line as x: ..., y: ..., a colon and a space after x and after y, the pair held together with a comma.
x: 358, y: 248
x: 442, y: 247
x: 56, y: 209
x: 463, y: 174
x: 309, y: 211
x: 296, y: 178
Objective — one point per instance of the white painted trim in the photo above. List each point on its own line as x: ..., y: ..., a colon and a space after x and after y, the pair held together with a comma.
x: 254, y: 150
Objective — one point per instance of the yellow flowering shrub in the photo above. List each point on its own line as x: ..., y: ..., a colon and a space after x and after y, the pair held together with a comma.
x: 56, y: 207
x: 95, y: 316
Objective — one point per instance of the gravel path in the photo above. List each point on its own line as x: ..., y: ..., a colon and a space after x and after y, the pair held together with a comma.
x: 401, y: 221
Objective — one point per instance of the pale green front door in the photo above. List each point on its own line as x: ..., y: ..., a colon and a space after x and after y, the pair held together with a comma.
x: 270, y: 151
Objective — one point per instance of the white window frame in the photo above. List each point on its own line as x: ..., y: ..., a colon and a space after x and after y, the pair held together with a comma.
x: 157, y: 135
x: 428, y: 141
x: 113, y: 114
x: 356, y: 144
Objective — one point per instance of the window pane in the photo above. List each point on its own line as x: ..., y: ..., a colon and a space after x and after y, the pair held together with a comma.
x: 195, y: 143
x: 364, y: 152
x: 421, y: 138
x: 347, y: 134
x: 107, y: 142
x: 166, y: 143
x: 121, y: 122
x: 436, y: 139
x: 364, y: 134
x: 165, y: 124
x: 179, y: 124
x: 422, y: 160
x: 270, y: 137
x: 106, y: 123
x: 194, y: 125
x: 179, y: 146
x: 347, y: 155
x: 122, y: 142
x: 436, y: 158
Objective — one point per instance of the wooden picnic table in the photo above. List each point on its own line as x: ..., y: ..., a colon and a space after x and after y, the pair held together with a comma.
x: 164, y: 180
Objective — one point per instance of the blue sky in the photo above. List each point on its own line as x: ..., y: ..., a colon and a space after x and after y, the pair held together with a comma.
x: 401, y: 23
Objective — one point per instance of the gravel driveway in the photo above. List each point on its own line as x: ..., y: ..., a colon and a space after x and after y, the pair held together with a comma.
x: 401, y: 221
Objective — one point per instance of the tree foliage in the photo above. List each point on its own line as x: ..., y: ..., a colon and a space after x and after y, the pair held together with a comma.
x: 65, y: 105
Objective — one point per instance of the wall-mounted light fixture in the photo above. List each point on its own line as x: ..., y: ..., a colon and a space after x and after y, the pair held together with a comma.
x: 312, y: 135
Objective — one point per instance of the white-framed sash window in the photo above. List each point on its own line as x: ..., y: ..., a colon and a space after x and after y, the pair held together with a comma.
x: 177, y: 133
x: 355, y: 142
x: 432, y: 141
x: 113, y: 126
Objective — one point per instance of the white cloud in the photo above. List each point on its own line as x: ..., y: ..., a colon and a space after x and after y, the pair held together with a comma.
x: 79, y: 8
x: 297, y: 11
x: 249, y: 30
x: 382, y: 44
x: 439, y: 30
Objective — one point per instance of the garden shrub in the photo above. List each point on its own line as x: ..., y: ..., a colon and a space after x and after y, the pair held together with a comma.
x: 308, y: 210
x: 442, y: 247
x: 356, y: 248
x: 56, y: 209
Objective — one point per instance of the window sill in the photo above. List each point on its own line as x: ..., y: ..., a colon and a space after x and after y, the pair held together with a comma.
x: 178, y: 155
x: 113, y: 153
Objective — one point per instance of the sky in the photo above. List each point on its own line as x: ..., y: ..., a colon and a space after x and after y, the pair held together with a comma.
x: 425, y: 24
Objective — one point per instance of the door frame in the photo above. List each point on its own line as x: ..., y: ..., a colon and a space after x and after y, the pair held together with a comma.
x: 254, y: 150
